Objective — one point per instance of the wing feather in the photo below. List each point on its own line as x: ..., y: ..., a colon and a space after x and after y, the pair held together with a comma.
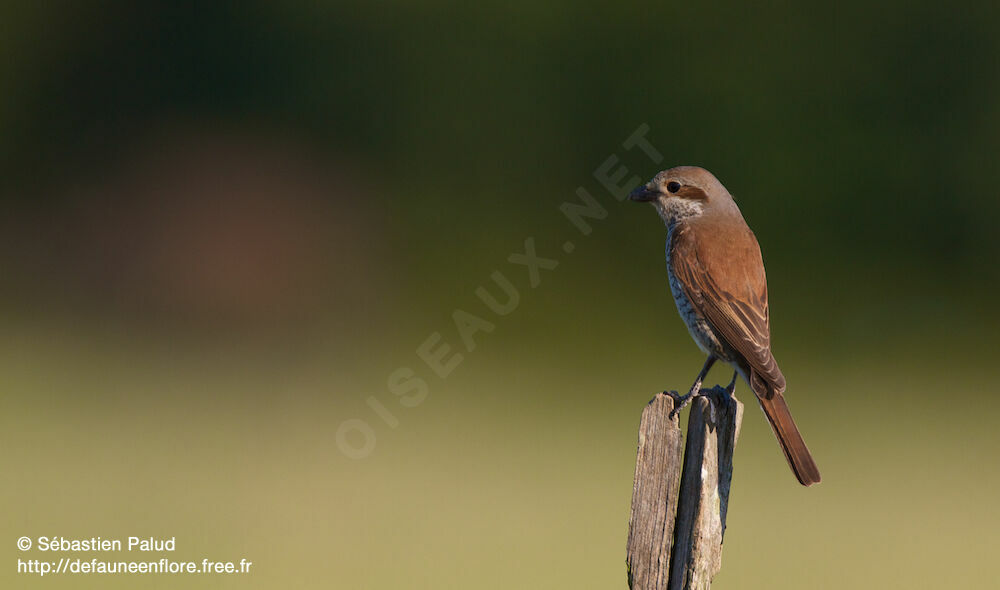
x: 724, y: 280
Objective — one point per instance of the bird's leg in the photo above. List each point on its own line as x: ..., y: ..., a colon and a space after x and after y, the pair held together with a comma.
x: 682, y: 400
x: 731, y: 388
x: 701, y: 377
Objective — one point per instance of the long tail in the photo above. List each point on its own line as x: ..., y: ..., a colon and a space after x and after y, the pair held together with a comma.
x: 795, y: 448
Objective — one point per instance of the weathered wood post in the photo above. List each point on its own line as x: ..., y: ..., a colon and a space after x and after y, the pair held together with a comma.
x: 679, y: 505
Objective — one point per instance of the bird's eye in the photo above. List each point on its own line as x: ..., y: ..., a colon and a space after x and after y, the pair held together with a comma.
x: 673, y: 186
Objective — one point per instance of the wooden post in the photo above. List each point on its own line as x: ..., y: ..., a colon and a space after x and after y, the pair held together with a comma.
x: 678, y: 518
x: 657, y: 479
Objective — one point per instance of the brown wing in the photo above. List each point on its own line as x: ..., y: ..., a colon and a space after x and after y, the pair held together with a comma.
x: 724, y: 279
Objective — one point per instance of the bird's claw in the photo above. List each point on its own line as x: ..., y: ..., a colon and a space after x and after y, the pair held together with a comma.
x: 680, y: 401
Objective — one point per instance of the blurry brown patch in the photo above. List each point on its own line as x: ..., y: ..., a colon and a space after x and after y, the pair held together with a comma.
x: 208, y: 226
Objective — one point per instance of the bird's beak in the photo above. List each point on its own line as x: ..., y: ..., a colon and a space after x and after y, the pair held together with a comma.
x: 643, y: 193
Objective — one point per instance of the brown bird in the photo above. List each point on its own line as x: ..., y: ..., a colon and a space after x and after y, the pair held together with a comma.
x: 717, y: 279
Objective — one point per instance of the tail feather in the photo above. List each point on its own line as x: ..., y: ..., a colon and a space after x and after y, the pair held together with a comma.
x: 794, y: 447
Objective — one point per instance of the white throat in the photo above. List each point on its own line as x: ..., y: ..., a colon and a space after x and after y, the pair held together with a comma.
x: 674, y: 209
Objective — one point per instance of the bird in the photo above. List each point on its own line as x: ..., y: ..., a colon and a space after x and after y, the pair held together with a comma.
x: 717, y: 279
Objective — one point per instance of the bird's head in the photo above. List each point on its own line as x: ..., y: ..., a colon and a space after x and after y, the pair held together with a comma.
x: 683, y: 192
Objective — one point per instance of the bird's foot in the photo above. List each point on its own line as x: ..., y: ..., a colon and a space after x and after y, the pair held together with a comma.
x: 681, y: 401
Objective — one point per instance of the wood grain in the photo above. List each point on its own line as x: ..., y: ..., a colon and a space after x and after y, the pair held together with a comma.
x: 678, y: 517
x: 657, y: 480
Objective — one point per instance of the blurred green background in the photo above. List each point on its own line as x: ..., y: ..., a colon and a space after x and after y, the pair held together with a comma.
x: 224, y: 227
